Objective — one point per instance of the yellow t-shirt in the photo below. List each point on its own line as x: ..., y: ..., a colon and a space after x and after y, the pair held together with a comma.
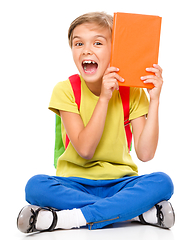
x: 112, y: 159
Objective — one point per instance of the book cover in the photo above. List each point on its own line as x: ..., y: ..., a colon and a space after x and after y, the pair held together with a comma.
x: 135, y: 46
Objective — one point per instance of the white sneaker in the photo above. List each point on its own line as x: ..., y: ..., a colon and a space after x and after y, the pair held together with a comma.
x: 165, y: 215
x: 26, y: 221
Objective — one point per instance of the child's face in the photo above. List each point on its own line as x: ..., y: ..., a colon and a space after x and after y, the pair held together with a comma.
x: 91, y: 48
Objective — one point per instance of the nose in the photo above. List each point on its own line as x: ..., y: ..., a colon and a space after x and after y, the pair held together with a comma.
x: 87, y: 51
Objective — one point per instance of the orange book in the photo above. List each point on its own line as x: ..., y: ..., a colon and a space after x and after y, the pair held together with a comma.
x: 135, y: 46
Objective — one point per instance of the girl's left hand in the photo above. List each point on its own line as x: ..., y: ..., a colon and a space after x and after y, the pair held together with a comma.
x: 156, y: 80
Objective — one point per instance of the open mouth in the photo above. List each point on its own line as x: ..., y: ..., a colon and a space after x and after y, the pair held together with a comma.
x: 89, y: 66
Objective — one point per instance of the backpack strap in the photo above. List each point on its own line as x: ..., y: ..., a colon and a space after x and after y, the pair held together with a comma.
x: 59, y: 146
x: 76, y: 86
x: 125, y: 93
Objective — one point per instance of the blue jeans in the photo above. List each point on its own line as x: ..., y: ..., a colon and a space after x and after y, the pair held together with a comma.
x: 102, y: 202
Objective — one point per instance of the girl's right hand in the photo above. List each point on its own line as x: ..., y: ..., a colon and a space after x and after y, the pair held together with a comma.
x: 110, y: 83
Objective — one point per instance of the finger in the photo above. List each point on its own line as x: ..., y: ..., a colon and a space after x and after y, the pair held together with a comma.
x: 114, y: 75
x: 149, y: 77
x: 111, y: 69
x: 152, y: 77
x: 155, y: 81
x: 156, y: 71
x: 111, y: 84
x: 151, y: 69
x: 158, y: 67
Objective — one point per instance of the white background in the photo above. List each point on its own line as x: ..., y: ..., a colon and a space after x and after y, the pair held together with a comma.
x: 34, y: 56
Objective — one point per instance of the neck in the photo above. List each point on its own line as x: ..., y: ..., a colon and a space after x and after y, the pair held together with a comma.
x: 95, y: 87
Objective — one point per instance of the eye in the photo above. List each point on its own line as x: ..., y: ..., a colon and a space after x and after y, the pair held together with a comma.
x: 97, y: 43
x: 78, y: 44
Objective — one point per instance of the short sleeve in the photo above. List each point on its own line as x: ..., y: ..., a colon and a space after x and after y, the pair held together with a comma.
x: 139, y: 103
x: 62, y: 98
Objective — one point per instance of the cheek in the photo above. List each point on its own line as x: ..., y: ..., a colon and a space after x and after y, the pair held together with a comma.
x: 106, y: 57
x: 75, y: 55
x: 108, y: 53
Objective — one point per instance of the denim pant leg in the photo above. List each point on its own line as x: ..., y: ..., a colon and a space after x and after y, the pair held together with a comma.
x: 135, y: 195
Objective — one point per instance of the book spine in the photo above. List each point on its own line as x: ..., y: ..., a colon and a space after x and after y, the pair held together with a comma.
x: 113, y: 39
x: 158, y: 46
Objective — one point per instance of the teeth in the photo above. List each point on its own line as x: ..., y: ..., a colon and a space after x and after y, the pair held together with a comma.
x: 88, y: 62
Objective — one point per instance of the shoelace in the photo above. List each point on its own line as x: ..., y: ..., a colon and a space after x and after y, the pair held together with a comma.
x: 159, y: 214
x: 33, y: 220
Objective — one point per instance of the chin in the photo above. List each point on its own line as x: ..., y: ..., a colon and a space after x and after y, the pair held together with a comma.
x: 91, y: 77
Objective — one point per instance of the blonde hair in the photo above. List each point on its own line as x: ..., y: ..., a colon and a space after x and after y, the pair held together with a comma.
x: 100, y: 18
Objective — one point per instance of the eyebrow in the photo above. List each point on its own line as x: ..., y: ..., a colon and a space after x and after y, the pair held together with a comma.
x: 96, y: 36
